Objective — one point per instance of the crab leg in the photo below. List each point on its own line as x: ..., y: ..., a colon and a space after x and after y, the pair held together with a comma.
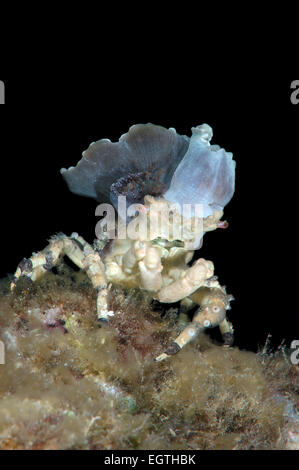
x: 227, y: 331
x: 39, y: 263
x: 211, y: 313
x: 81, y: 253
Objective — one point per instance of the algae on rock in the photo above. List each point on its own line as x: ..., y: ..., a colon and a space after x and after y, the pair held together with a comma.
x: 68, y: 384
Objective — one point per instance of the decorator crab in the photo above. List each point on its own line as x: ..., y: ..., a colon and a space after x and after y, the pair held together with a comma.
x: 169, y: 191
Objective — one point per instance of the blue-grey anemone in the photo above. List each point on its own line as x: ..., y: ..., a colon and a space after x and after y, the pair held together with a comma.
x: 150, y: 159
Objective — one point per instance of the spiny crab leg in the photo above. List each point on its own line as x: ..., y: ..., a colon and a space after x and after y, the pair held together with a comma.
x: 81, y: 253
x: 188, y: 334
x: 212, y: 312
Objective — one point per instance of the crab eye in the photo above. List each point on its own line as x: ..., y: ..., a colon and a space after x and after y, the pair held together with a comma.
x: 206, y: 323
x: 216, y: 309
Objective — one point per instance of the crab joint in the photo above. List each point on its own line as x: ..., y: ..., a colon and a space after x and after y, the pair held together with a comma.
x: 227, y: 331
x: 187, y: 335
x: 170, y: 351
x: 49, y: 260
x: 228, y: 338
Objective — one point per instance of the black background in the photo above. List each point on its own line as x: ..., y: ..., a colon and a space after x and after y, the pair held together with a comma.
x: 49, y: 118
